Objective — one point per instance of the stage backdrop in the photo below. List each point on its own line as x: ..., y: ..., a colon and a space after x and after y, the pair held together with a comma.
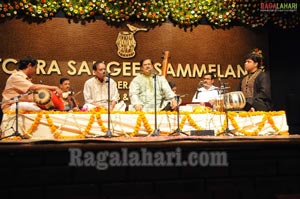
x: 68, y: 49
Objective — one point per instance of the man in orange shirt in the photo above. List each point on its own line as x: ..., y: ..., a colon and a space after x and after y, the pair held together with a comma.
x: 19, y: 87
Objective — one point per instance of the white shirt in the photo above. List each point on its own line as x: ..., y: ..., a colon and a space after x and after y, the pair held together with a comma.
x: 96, y: 91
x: 205, y: 95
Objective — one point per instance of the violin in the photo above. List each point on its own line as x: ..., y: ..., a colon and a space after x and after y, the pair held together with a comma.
x: 70, y: 97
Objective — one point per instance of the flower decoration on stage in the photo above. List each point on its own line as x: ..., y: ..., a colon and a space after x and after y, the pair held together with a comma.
x: 117, y: 11
x: 285, y: 20
x: 249, y: 13
x: 9, y: 9
x: 40, y: 9
x: 81, y: 9
x: 186, y: 12
x: 152, y: 11
x: 220, y: 13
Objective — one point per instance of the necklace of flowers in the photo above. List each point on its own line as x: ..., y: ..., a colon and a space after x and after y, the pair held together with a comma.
x: 34, y: 125
x: 272, y: 123
x: 100, y: 122
x: 193, y: 123
x: 58, y: 134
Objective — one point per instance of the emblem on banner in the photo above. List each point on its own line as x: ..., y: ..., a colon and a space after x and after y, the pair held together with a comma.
x: 126, y: 42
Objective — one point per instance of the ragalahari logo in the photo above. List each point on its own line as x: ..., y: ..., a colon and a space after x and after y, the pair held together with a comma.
x: 278, y: 7
x: 126, y: 42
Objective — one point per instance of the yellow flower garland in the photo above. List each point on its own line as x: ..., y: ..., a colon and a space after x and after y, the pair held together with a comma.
x: 34, y: 125
x: 267, y: 118
x: 100, y: 122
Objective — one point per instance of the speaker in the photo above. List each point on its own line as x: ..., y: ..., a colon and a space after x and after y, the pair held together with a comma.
x: 202, y: 132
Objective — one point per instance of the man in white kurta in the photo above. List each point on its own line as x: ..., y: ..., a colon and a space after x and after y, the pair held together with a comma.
x: 95, y: 89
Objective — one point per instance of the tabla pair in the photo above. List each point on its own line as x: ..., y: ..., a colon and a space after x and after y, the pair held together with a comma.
x: 234, y: 101
x: 48, y: 100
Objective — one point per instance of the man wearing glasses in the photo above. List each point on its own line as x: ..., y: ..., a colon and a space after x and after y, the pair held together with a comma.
x: 206, y: 92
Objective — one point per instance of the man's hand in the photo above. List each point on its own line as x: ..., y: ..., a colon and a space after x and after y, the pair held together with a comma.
x: 138, y: 107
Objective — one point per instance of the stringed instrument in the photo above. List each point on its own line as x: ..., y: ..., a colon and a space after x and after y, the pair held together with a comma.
x: 164, y: 69
x: 165, y: 62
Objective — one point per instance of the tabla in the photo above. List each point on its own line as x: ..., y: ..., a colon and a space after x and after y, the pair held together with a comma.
x: 47, y: 100
x: 219, y: 104
x: 234, y: 100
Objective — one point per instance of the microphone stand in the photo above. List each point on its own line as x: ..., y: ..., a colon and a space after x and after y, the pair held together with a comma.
x: 156, y: 131
x: 108, y: 133
x: 17, y: 133
x: 178, y: 131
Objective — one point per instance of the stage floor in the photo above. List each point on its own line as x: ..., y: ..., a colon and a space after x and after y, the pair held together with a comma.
x: 153, y: 141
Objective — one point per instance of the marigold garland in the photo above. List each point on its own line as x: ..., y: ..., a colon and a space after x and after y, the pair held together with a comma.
x: 100, y: 122
x: 89, y: 125
x: 35, y: 124
x: 183, y: 121
x: 146, y: 123
x: 184, y: 13
x: 266, y: 117
x: 193, y: 123
x: 137, y: 125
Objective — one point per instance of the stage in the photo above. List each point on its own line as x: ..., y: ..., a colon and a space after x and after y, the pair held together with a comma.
x: 47, y: 125
x: 252, y: 167
x: 61, y: 159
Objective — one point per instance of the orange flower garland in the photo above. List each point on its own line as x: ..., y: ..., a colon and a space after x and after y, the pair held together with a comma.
x: 35, y: 124
x: 193, y: 123
x: 89, y: 125
x: 137, y: 125
x: 146, y: 123
x: 267, y: 118
x: 100, y: 122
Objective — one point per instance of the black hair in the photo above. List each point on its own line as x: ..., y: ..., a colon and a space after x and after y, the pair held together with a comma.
x: 255, y: 57
x: 142, y: 61
x: 96, y: 63
x: 212, y: 75
x: 61, y: 81
x: 172, y: 84
x: 23, y: 63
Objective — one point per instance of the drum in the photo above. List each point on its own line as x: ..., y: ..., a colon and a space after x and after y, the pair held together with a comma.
x: 47, y: 100
x: 219, y: 104
x: 235, y: 101
x: 126, y: 44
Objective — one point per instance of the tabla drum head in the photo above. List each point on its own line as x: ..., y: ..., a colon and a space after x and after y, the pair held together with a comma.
x: 42, y: 96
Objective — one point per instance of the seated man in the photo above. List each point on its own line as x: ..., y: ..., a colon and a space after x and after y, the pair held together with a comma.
x: 19, y: 86
x: 95, y: 91
x: 206, y: 93
x: 70, y: 102
x: 141, y: 90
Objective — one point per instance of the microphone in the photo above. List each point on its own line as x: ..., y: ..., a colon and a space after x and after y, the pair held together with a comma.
x: 201, y: 84
x: 222, y: 84
x: 152, y: 71
x: 106, y: 76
